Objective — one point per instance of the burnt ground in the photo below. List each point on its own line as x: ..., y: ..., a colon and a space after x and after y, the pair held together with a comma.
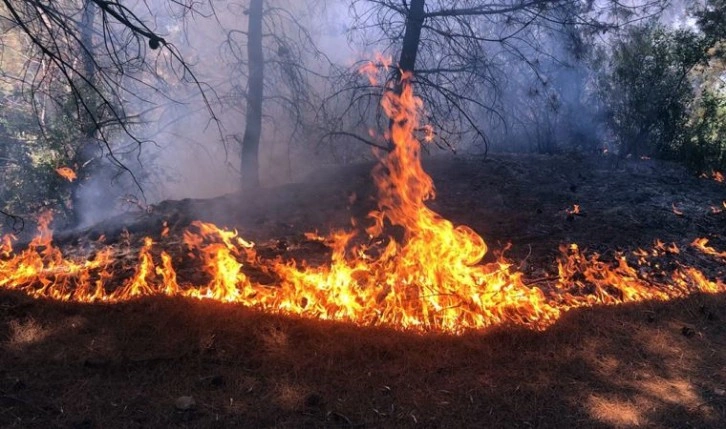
x: 650, y: 364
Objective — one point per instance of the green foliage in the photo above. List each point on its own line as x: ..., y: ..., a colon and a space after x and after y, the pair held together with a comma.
x: 29, y: 158
x: 712, y: 21
x: 705, y: 147
x: 664, y: 94
x: 647, y: 89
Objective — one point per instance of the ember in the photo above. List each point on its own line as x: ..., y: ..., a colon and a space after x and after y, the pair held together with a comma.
x: 66, y: 173
x: 430, y: 278
x: 715, y: 175
x: 575, y: 210
x: 676, y: 210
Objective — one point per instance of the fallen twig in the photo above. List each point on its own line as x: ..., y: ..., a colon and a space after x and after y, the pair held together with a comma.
x: 542, y: 280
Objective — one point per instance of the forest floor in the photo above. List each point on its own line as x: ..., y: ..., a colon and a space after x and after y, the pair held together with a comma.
x: 170, y: 362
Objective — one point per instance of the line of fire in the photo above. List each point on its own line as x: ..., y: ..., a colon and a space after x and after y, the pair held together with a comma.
x: 429, y: 277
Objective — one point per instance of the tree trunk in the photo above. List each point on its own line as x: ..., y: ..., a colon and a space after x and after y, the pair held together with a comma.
x: 409, y: 50
x: 253, y: 127
x: 412, y: 36
x: 86, y: 151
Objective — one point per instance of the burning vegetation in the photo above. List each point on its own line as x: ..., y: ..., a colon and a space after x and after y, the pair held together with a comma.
x: 585, y: 141
x: 67, y: 173
x: 412, y: 269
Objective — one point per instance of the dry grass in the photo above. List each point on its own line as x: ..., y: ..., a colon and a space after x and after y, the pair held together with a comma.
x: 124, y: 366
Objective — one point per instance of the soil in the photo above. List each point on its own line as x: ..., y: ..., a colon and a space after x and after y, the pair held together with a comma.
x: 161, y: 362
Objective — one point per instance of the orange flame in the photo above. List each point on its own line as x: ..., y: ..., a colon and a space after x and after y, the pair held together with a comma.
x: 575, y: 210
x: 370, y: 68
x: 66, y: 173
x: 426, y: 275
x: 702, y: 245
x: 715, y: 175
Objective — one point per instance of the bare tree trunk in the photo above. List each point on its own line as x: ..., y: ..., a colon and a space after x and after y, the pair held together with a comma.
x: 86, y: 151
x: 409, y: 50
x: 412, y: 36
x: 253, y: 128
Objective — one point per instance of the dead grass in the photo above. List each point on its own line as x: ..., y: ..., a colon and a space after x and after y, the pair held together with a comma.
x: 124, y: 366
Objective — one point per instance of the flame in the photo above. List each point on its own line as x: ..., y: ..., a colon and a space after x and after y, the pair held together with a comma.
x: 717, y: 210
x: 702, y: 245
x: 66, y: 173
x: 575, y: 210
x: 370, y: 68
x: 715, y: 175
x: 410, y: 269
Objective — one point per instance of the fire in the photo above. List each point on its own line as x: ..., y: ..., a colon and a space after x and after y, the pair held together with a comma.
x: 715, y: 175
x: 410, y: 269
x: 66, y: 173
x: 370, y: 68
x: 702, y: 245
x: 575, y: 210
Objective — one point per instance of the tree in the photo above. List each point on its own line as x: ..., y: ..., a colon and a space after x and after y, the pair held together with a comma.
x: 647, y: 89
x: 255, y: 83
x: 60, y: 37
x: 275, y: 68
x: 91, y: 119
x: 85, y: 62
x: 665, y: 92
x: 706, y: 145
x: 456, y: 51
x: 712, y: 21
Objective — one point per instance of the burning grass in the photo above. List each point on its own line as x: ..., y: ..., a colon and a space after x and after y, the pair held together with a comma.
x: 413, y: 269
x: 125, y: 362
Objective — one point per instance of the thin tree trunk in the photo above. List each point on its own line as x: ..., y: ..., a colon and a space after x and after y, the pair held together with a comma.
x: 253, y: 128
x: 85, y: 152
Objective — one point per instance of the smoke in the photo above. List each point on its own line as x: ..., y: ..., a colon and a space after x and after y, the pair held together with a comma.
x: 539, y: 96
x: 193, y: 134
x: 546, y: 84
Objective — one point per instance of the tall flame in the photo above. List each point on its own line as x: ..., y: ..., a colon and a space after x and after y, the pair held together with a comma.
x: 414, y: 270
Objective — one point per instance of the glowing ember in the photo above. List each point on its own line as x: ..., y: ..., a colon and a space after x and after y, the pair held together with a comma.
x: 718, y: 210
x: 715, y: 175
x: 431, y: 278
x: 575, y: 210
x: 676, y: 210
x: 66, y: 173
